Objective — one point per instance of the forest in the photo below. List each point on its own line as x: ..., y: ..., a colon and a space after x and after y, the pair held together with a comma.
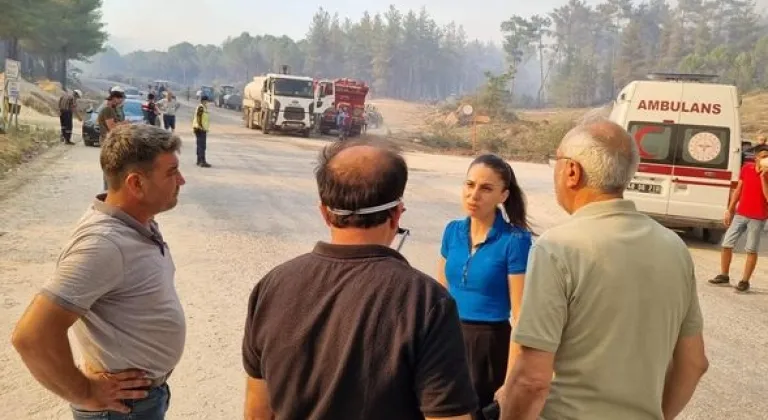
x: 404, y: 55
x: 585, y: 54
x: 580, y: 54
x: 45, y: 34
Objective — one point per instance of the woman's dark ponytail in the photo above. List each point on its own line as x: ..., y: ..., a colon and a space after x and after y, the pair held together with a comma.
x: 514, y: 205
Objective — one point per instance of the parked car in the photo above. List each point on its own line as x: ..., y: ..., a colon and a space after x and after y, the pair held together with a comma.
x: 133, y: 93
x: 91, y: 132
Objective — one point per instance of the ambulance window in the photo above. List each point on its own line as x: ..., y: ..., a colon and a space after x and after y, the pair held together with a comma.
x: 703, y: 147
x: 654, y: 141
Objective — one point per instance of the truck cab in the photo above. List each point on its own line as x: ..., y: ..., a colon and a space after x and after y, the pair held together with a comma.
x: 688, y: 134
x: 207, y: 91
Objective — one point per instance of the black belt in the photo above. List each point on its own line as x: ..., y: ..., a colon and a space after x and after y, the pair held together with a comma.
x: 160, y: 381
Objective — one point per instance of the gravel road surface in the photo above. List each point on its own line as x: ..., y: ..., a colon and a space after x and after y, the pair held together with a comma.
x: 256, y: 208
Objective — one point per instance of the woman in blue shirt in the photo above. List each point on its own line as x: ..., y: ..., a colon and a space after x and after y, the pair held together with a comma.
x: 484, y: 258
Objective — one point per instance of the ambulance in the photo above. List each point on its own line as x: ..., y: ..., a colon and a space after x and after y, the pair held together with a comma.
x: 688, y: 133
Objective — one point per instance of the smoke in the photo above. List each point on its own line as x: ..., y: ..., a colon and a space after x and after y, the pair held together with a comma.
x: 528, y: 79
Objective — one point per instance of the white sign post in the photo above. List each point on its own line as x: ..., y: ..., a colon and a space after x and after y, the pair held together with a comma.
x: 2, y: 100
x: 14, y: 91
x: 468, y: 110
x: 14, y: 94
x: 12, y: 69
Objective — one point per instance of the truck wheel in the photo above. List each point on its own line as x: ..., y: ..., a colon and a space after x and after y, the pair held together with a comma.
x: 306, y: 133
x: 249, y: 119
x: 266, y: 116
x: 712, y: 236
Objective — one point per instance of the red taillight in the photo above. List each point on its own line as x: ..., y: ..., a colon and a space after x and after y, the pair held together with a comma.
x: 668, y: 122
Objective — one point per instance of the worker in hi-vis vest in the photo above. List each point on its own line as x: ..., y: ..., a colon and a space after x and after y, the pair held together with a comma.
x: 200, y: 125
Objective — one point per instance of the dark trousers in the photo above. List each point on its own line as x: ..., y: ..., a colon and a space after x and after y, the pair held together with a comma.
x: 65, y: 118
x: 201, y: 137
x: 487, y: 346
x: 169, y: 121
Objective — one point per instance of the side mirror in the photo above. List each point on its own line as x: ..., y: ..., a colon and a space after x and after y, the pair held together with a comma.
x: 319, y: 104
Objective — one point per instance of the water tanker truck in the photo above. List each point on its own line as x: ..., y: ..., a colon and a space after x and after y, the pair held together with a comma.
x: 279, y: 102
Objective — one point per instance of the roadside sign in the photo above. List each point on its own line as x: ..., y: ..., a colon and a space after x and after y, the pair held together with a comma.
x: 14, y: 90
x: 12, y: 68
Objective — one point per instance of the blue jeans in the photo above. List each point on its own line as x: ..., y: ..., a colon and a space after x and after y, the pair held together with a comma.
x: 739, y: 225
x: 153, y: 407
x: 169, y: 121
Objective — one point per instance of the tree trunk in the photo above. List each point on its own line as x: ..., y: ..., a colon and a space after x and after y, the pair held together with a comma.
x: 48, y: 62
x: 13, y: 48
x: 63, y: 74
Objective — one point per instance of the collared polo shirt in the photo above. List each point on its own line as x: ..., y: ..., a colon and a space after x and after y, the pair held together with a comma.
x: 354, y: 332
x: 480, y: 282
x: 609, y: 292
x: 118, y: 275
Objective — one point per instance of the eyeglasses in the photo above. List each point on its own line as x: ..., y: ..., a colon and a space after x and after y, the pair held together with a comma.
x: 552, y: 159
x: 403, y: 235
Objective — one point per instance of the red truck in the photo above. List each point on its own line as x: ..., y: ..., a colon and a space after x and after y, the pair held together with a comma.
x: 331, y: 95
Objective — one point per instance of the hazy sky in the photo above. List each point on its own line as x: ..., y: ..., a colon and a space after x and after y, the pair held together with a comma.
x: 158, y: 24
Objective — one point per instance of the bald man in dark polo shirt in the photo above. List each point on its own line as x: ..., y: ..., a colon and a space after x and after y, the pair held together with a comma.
x: 350, y: 330
x: 114, y: 286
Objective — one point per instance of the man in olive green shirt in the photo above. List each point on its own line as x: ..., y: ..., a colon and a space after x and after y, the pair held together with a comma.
x: 109, y: 117
x: 609, y: 300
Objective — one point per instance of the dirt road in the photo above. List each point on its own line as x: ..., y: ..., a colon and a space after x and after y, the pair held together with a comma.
x: 256, y: 208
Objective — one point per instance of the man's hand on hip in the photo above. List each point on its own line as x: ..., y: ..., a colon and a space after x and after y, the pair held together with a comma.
x: 105, y: 390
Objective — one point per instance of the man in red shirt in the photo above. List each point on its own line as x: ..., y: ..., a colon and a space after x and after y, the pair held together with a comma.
x: 750, y: 203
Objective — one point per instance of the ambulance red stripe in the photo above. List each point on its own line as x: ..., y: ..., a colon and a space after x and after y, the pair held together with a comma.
x: 653, y: 168
x: 706, y: 184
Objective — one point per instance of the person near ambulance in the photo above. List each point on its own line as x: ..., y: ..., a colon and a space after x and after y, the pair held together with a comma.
x: 200, y: 126
x: 747, y: 213
x: 67, y: 109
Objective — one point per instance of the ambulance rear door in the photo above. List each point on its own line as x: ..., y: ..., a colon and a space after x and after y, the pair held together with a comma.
x: 708, y: 144
x: 651, y: 123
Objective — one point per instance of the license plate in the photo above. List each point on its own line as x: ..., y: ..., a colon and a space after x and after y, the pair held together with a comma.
x: 645, y: 188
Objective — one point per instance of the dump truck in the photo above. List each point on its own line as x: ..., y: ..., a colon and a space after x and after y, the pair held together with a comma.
x: 331, y: 95
x: 279, y: 102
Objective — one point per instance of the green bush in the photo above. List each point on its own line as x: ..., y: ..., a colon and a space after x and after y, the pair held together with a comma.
x: 18, y: 146
x: 523, y: 140
x: 442, y: 136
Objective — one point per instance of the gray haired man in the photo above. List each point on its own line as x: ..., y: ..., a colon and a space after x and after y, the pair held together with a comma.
x: 610, y: 304
x: 114, y: 286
